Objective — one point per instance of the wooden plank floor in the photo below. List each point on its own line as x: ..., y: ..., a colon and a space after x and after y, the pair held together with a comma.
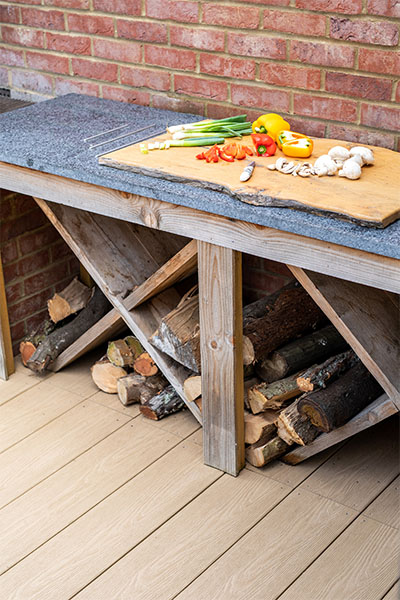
x: 97, y: 502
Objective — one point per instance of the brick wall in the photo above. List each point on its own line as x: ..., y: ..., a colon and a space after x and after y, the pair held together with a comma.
x: 36, y: 262
x: 331, y: 66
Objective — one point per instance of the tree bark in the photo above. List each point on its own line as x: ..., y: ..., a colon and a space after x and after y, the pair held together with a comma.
x: 295, y: 428
x: 301, y: 353
x: 260, y: 454
x: 30, y: 343
x: 69, y: 301
x: 272, y: 395
x: 57, y: 341
x: 347, y: 396
x: 137, y: 388
x: 105, y: 375
x: 162, y: 405
x: 319, y: 376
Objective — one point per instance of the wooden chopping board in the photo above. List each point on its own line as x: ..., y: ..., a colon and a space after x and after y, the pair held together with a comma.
x: 373, y: 200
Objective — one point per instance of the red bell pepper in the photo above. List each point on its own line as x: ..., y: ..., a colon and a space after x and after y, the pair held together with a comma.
x: 264, y: 144
x: 225, y: 156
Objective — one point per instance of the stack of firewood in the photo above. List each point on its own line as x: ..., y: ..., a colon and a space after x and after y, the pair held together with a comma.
x: 301, y: 378
x: 130, y: 372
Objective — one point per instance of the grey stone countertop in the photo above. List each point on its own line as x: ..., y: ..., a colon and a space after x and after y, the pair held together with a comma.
x: 48, y: 137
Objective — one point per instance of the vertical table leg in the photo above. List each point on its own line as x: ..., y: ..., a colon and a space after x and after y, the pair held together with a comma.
x: 221, y: 332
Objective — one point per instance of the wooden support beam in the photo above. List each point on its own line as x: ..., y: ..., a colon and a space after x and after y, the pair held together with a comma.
x: 367, y: 318
x: 6, y: 354
x: 221, y: 321
x: 181, y: 265
x: 377, y: 411
x: 129, y: 254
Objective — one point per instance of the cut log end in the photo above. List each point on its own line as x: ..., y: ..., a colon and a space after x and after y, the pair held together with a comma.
x: 162, y: 405
x: 145, y: 365
x: 260, y: 455
x: 105, y: 375
x: 69, y: 301
x: 27, y: 349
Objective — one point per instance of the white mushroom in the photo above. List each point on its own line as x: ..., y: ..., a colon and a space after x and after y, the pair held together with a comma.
x: 339, y: 153
x: 366, y: 154
x: 351, y: 169
x: 358, y: 159
x: 280, y: 163
x: 325, y: 165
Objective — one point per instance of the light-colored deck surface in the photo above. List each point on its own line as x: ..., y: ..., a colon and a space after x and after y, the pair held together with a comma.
x: 97, y: 502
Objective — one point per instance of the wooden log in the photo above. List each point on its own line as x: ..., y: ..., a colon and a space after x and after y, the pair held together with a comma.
x: 134, y: 345
x: 301, y: 353
x: 272, y: 395
x: 137, y: 388
x: 63, y: 336
x: 258, y: 426
x: 30, y: 343
x: 262, y: 453
x: 145, y: 365
x: 192, y: 388
x: 124, y: 352
x: 105, y: 375
x: 295, y: 428
x: 318, y: 376
x: 162, y: 405
x: 69, y: 301
x: 280, y: 317
x: 332, y: 407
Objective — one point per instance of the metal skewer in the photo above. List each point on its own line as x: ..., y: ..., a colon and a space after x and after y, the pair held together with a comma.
x: 122, y: 136
x: 147, y: 137
x: 91, y: 137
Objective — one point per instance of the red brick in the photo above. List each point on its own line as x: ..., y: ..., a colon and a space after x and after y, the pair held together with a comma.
x: 365, y: 32
x: 216, y: 90
x: 264, y: 282
x: 35, y: 240
x: 25, y: 204
x: 373, y: 88
x: 80, y: 4
x: 204, y: 39
x: 379, y: 61
x: 360, y: 136
x: 9, y: 14
x: 74, y: 266
x: 122, y: 7
x: 18, y: 331
x: 294, y: 22
x: 398, y: 93
x: 387, y: 8
x: 312, y: 128
x: 28, y: 306
x: 91, y: 24
x: 9, y: 251
x: 132, y: 96
x: 227, y: 67
x: 30, y: 80
x: 331, y: 108
x: 219, y: 111
x: 14, y: 58
x: 287, y: 75
x: 12, y: 229
x: 155, y: 80
x: 316, y: 53
x: 60, y: 250
x: 94, y: 70
x: 275, y: 268
x: 6, y: 208
x: 140, y: 30
x: 3, y: 77
x: 14, y: 293
x: 27, y: 1
x: 350, y: 7
x: 169, y: 57
x: 23, y: 36
x: 47, y: 62
x: 178, y: 104
x: 245, y: 17
x: 118, y: 51
x: 73, y: 44
x: 381, y: 117
x: 42, y: 281
x: 176, y: 10
x: 268, y: 2
x: 74, y: 86
x: 32, y: 322
x: 256, y: 45
x: 45, y: 19
x: 29, y: 264
x: 267, y: 99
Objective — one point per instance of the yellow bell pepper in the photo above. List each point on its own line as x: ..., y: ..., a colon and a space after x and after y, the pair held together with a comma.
x: 270, y: 124
x: 287, y: 136
x: 300, y: 148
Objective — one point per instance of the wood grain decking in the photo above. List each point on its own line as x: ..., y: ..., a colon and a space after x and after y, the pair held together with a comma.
x: 97, y: 502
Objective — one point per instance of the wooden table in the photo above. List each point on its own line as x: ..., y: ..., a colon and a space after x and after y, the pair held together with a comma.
x: 357, y: 289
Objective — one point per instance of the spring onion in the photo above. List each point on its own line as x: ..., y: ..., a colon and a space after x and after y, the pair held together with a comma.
x: 207, y: 123
x: 209, y: 141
